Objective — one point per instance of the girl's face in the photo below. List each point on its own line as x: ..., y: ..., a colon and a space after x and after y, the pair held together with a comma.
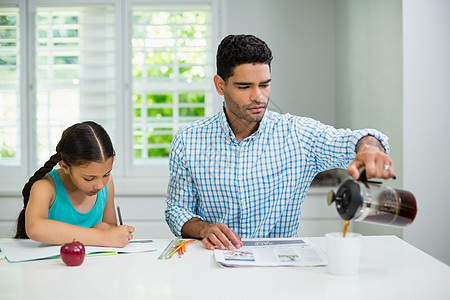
x: 92, y: 177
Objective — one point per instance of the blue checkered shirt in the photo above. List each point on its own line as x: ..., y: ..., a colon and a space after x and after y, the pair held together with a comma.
x: 256, y: 186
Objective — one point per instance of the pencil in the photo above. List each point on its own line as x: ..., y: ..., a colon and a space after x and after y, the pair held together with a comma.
x: 120, y: 215
x: 185, y: 242
x: 176, y: 249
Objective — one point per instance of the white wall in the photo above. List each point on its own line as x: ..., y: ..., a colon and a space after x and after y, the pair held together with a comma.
x: 369, y: 77
x: 301, y: 36
x: 426, y: 122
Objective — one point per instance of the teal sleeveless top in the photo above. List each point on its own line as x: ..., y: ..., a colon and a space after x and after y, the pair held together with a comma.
x: 63, y: 210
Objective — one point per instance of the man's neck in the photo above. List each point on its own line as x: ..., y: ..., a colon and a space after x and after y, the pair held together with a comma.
x: 241, y: 128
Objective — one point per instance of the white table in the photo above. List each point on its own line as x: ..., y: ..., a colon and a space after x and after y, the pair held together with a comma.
x: 390, y: 269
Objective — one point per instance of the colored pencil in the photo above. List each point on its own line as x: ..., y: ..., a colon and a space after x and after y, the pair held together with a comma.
x: 185, y: 242
x: 176, y: 249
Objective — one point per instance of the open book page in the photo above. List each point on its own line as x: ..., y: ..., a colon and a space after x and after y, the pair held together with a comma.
x: 273, y: 252
x: 17, y: 250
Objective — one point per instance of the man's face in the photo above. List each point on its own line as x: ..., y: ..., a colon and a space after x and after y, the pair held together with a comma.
x: 247, y: 92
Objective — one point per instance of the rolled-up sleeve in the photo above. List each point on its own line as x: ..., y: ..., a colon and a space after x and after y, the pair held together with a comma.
x: 329, y: 147
x: 359, y: 134
x: 181, y: 197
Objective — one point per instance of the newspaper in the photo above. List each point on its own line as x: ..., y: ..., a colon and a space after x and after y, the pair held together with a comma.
x: 273, y: 253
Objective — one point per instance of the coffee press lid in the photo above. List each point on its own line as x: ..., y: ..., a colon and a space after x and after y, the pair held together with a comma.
x: 348, y: 199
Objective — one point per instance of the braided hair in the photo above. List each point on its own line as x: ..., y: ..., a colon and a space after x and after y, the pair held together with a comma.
x: 80, y: 144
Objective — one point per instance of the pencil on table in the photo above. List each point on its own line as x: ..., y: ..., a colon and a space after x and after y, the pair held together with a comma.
x: 180, y: 250
x: 180, y: 247
x: 185, y: 242
x: 176, y: 249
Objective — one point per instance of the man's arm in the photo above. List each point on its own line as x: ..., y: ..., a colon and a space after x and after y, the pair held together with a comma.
x: 181, y: 200
x: 371, y: 154
x: 212, y: 235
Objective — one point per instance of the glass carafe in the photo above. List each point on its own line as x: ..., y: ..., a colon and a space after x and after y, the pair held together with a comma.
x: 369, y: 201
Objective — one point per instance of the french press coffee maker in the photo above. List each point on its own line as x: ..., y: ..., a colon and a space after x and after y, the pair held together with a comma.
x: 369, y: 201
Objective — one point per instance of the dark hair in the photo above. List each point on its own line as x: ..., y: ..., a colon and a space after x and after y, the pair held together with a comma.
x: 80, y: 144
x: 235, y: 50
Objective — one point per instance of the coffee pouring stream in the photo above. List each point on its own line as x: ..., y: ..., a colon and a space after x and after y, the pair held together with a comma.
x: 369, y: 201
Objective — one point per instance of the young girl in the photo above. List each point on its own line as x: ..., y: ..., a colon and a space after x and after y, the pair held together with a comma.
x: 76, y: 201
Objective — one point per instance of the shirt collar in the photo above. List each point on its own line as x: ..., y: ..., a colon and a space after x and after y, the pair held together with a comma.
x: 227, y: 129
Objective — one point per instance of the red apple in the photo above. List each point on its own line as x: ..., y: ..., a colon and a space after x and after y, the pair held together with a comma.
x: 73, y: 253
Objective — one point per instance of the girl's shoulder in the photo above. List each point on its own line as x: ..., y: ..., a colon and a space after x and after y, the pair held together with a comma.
x: 46, y: 185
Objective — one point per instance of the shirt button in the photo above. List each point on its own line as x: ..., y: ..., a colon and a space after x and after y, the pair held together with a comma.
x: 241, y: 177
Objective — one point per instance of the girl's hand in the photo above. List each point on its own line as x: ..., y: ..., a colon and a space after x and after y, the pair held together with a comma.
x: 119, y: 236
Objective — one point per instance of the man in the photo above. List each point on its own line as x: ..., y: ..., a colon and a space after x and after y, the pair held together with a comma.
x: 245, y: 171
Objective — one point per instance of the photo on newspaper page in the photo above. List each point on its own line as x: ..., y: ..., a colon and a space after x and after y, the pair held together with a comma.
x: 273, y: 253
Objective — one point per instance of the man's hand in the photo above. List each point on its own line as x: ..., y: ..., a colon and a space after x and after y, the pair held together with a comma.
x: 371, y: 154
x: 212, y: 235
x: 220, y: 236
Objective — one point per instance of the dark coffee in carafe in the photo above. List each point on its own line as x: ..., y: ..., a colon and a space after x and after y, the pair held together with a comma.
x: 370, y: 201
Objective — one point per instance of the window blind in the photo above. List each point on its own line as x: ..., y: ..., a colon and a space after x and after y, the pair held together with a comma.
x: 10, y: 143
x: 172, y: 67
x: 141, y: 68
x: 75, y: 71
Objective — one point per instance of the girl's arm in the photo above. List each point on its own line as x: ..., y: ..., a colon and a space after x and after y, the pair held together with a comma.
x: 41, y: 229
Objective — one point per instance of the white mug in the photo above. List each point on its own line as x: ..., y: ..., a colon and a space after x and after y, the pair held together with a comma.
x: 343, y: 252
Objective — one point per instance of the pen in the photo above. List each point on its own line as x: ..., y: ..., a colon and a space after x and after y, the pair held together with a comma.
x: 168, y: 249
x: 141, y: 241
x: 120, y: 215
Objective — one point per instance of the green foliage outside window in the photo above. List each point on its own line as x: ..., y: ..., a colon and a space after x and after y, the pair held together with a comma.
x: 137, y: 99
x: 151, y: 99
x: 6, y: 151
x: 65, y: 33
x: 162, y: 71
x: 158, y: 152
x: 192, y: 112
x: 159, y: 112
x: 8, y: 33
x: 162, y: 57
x: 137, y: 139
x: 159, y: 139
x: 8, y: 20
x: 137, y: 112
x: 8, y: 74
x: 65, y: 60
x: 137, y: 153
x: 192, y: 98
x: 169, y: 47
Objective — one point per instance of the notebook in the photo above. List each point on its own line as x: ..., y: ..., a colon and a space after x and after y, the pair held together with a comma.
x: 20, y: 250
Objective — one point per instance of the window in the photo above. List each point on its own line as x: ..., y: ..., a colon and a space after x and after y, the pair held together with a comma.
x: 75, y: 68
x: 172, y: 67
x: 10, y: 154
x: 143, y: 69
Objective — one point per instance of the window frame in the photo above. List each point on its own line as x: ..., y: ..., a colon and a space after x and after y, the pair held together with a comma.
x: 9, y: 183
x: 129, y: 179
